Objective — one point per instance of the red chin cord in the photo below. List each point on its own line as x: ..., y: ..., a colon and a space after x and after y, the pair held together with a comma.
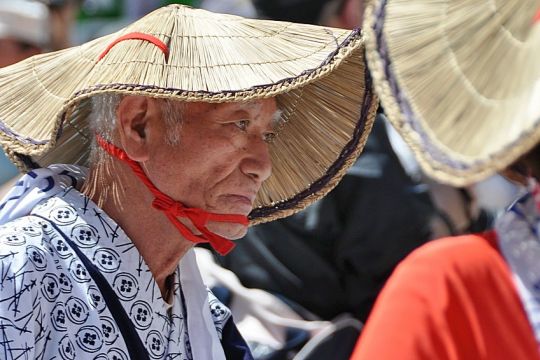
x: 174, y: 209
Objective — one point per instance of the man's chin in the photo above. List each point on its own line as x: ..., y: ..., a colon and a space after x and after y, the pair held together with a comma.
x: 228, y: 230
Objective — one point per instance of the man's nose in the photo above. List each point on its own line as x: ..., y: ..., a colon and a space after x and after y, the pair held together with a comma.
x: 257, y: 163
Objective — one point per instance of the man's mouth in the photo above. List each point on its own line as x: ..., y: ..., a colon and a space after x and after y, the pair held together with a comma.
x: 243, y: 203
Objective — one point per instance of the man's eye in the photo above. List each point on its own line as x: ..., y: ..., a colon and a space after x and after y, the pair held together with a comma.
x: 269, y: 137
x: 242, y: 124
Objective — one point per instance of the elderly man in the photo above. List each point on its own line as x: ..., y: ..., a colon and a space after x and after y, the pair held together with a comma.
x: 194, y: 125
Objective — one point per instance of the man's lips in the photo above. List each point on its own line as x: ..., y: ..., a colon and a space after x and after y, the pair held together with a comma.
x: 247, y: 198
x: 242, y: 203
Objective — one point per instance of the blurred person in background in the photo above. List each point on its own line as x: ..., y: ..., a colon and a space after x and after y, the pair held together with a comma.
x: 24, y: 31
x: 63, y: 15
x: 477, y: 296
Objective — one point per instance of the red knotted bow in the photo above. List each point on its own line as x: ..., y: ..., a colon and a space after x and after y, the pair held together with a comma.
x: 174, y: 209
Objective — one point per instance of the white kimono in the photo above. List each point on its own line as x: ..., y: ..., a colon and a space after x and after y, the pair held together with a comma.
x: 52, y: 307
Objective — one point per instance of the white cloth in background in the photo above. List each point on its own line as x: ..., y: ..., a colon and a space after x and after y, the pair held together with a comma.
x: 260, y: 316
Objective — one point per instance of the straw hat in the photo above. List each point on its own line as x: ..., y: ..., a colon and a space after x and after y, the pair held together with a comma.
x: 459, y: 79
x: 317, y: 75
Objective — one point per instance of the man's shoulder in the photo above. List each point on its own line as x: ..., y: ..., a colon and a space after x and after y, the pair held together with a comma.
x: 29, y: 228
x: 26, y: 241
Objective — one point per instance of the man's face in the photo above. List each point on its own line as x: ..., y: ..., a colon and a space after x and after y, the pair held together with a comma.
x: 220, y: 160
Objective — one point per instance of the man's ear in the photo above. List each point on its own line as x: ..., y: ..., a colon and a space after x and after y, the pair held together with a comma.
x: 132, y: 126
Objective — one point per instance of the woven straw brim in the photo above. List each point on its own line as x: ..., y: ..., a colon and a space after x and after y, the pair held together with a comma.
x: 460, y: 80
x: 318, y: 76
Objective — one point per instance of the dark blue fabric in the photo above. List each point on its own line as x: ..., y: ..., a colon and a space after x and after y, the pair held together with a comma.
x: 234, y: 345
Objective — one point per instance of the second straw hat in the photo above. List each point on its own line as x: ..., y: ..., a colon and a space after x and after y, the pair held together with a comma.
x: 459, y: 79
x: 317, y: 75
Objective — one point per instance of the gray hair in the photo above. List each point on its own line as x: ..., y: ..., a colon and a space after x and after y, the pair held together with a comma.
x: 102, y: 120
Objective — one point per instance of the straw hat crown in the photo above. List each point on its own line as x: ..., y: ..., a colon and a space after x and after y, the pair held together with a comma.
x: 317, y: 75
x: 460, y: 79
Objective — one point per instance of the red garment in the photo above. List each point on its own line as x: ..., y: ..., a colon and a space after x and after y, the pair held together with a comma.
x: 452, y: 298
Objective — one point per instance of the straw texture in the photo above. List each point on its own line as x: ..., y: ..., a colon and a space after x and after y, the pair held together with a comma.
x: 318, y: 76
x: 460, y: 80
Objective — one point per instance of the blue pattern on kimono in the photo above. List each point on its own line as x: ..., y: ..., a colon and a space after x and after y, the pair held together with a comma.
x: 50, y: 307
